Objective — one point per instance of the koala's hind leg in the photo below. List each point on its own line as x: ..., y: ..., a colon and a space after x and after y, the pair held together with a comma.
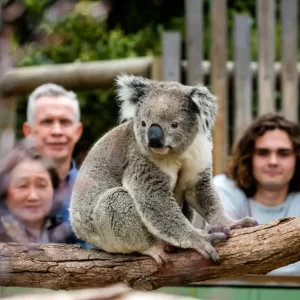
x: 120, y: 229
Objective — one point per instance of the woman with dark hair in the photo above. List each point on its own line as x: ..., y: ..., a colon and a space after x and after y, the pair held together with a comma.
x: 27, y: 183
x: 262, y: 176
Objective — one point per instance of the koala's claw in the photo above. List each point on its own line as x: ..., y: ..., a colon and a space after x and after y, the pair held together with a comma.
x: 243, y: 223
x: 209, y: 252
x: 218, y: 228
x: 162, y: 259
x: 158, y: 254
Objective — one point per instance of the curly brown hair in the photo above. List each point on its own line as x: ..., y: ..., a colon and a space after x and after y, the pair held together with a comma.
x: 239, y: 166
x: 24, y: 149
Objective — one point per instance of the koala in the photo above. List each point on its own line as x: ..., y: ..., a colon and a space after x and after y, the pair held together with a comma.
x: 139, y: 185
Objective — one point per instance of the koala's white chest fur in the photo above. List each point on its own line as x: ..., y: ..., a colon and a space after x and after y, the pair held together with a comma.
x: 185, y: 169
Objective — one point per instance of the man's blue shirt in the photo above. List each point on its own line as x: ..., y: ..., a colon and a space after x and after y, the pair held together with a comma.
x: 62, y: 198
x: 62, y: 195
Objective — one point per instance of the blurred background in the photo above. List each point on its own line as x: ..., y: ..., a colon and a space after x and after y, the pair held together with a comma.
x: 246, y: 51
x: 238, y: 48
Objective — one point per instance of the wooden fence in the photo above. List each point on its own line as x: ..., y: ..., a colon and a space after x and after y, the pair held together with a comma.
x: 244, y: 88
x: 239, y: 105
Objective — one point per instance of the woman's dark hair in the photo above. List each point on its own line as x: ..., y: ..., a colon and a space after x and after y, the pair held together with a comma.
x: 25, y: 149
x: 239, y: 167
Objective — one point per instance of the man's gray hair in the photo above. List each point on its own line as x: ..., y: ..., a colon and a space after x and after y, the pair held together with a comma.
x: 51, y: 90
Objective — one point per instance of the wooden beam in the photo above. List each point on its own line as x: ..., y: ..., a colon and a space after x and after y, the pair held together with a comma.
x: 256, y: 250
x: 99, y: 74
x: 78, y: 75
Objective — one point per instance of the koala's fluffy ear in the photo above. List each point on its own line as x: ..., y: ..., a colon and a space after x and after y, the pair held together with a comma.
x: 206, y: 104
x: 130, y: 89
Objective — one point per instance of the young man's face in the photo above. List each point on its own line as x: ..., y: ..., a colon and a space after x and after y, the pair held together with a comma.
x: 274, y: 160
x: 54, y: 127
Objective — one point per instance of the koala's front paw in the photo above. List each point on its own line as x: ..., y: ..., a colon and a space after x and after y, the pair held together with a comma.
x: 243, y: 223
x: 203, y: 245
x: 223, y: 228
x: 226, y: 225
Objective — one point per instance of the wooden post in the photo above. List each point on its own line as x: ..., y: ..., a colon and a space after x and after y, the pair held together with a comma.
x: 194, y: 40
x: 171, y: 56
x: 7, y: 104
x: 242, y: 74
x: 289, y: 53
x: 219, y: 81
x: 266, y: 50
x: 156, y: 68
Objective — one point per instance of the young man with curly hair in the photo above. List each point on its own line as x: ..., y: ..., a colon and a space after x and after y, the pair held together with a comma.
x: 262, y: 176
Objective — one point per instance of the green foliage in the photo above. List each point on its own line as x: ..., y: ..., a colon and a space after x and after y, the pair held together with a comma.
x: 83, y: 38
x: 36, y: 7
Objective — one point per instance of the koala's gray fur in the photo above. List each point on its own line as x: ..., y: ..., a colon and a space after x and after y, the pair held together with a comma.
x: 140, y: 183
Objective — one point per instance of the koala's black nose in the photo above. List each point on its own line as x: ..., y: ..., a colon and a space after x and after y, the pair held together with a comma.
x: 155, y: 136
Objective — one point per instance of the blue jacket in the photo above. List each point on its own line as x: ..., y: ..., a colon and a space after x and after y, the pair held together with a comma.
x: 62, y: 198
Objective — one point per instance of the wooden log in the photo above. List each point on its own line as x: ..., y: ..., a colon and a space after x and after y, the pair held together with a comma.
x: 78, y: 75
x: 114, y: 292
x: 256, y: 250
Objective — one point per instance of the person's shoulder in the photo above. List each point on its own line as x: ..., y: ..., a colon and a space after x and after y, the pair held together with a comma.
x: 292, y: 203
x: 224, y: 181
x: 294, y: 197
x: 226, y: 185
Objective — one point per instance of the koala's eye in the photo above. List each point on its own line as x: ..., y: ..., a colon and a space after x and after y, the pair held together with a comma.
x: 174, y: 125
x: 143, y: 124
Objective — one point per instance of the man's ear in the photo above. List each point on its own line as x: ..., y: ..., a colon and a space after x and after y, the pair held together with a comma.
x: 26, y: 129
x: 79, y: 131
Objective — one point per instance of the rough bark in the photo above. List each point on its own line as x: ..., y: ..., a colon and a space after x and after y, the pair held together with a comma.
x: 256, y: 250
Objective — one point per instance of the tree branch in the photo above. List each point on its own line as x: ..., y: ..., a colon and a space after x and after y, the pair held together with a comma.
x: 256, y: 250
